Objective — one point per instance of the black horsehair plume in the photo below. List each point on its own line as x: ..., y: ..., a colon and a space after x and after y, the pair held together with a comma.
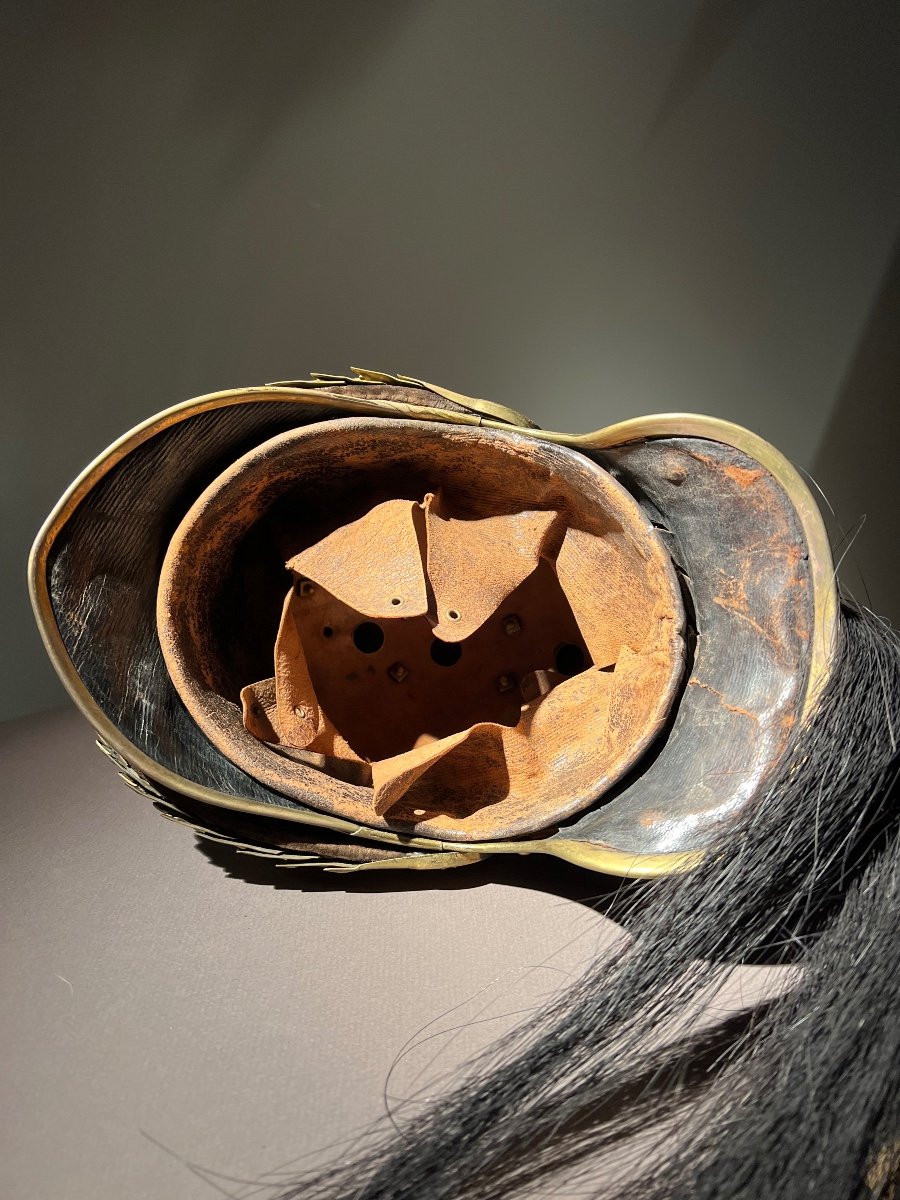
x: 797, y: 1096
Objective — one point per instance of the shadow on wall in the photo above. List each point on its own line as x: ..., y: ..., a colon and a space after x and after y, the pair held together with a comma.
x: 252, y: 69
x: 716, y: 26
x: 856, y: 463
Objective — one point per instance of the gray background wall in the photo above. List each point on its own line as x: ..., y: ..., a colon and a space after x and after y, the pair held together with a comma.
x: 589, y: 209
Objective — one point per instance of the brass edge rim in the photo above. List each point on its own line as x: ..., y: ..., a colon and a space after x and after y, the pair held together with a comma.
x: 826, y: 606
x: 597, y: 858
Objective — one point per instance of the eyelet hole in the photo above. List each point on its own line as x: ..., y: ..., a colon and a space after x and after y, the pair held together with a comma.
x: 570, y: 659
x: 368, y: 637
x: 445, y: 654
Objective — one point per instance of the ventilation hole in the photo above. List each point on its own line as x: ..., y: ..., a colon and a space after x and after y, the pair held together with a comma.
x: 327, y: 631
x: 570, y: 659
x: 396, y: 600
x: 445, y: 654
x: 453, y: 614
x: 368, y: 637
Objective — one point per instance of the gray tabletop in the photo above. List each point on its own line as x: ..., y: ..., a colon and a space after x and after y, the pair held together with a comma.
x: 170, y: 1012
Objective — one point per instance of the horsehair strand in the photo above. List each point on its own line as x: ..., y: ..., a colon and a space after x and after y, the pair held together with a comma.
x: 799, y: 1097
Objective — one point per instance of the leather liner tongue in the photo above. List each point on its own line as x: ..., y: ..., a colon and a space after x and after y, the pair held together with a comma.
x: 373, y: 565
x: 497, y: 552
